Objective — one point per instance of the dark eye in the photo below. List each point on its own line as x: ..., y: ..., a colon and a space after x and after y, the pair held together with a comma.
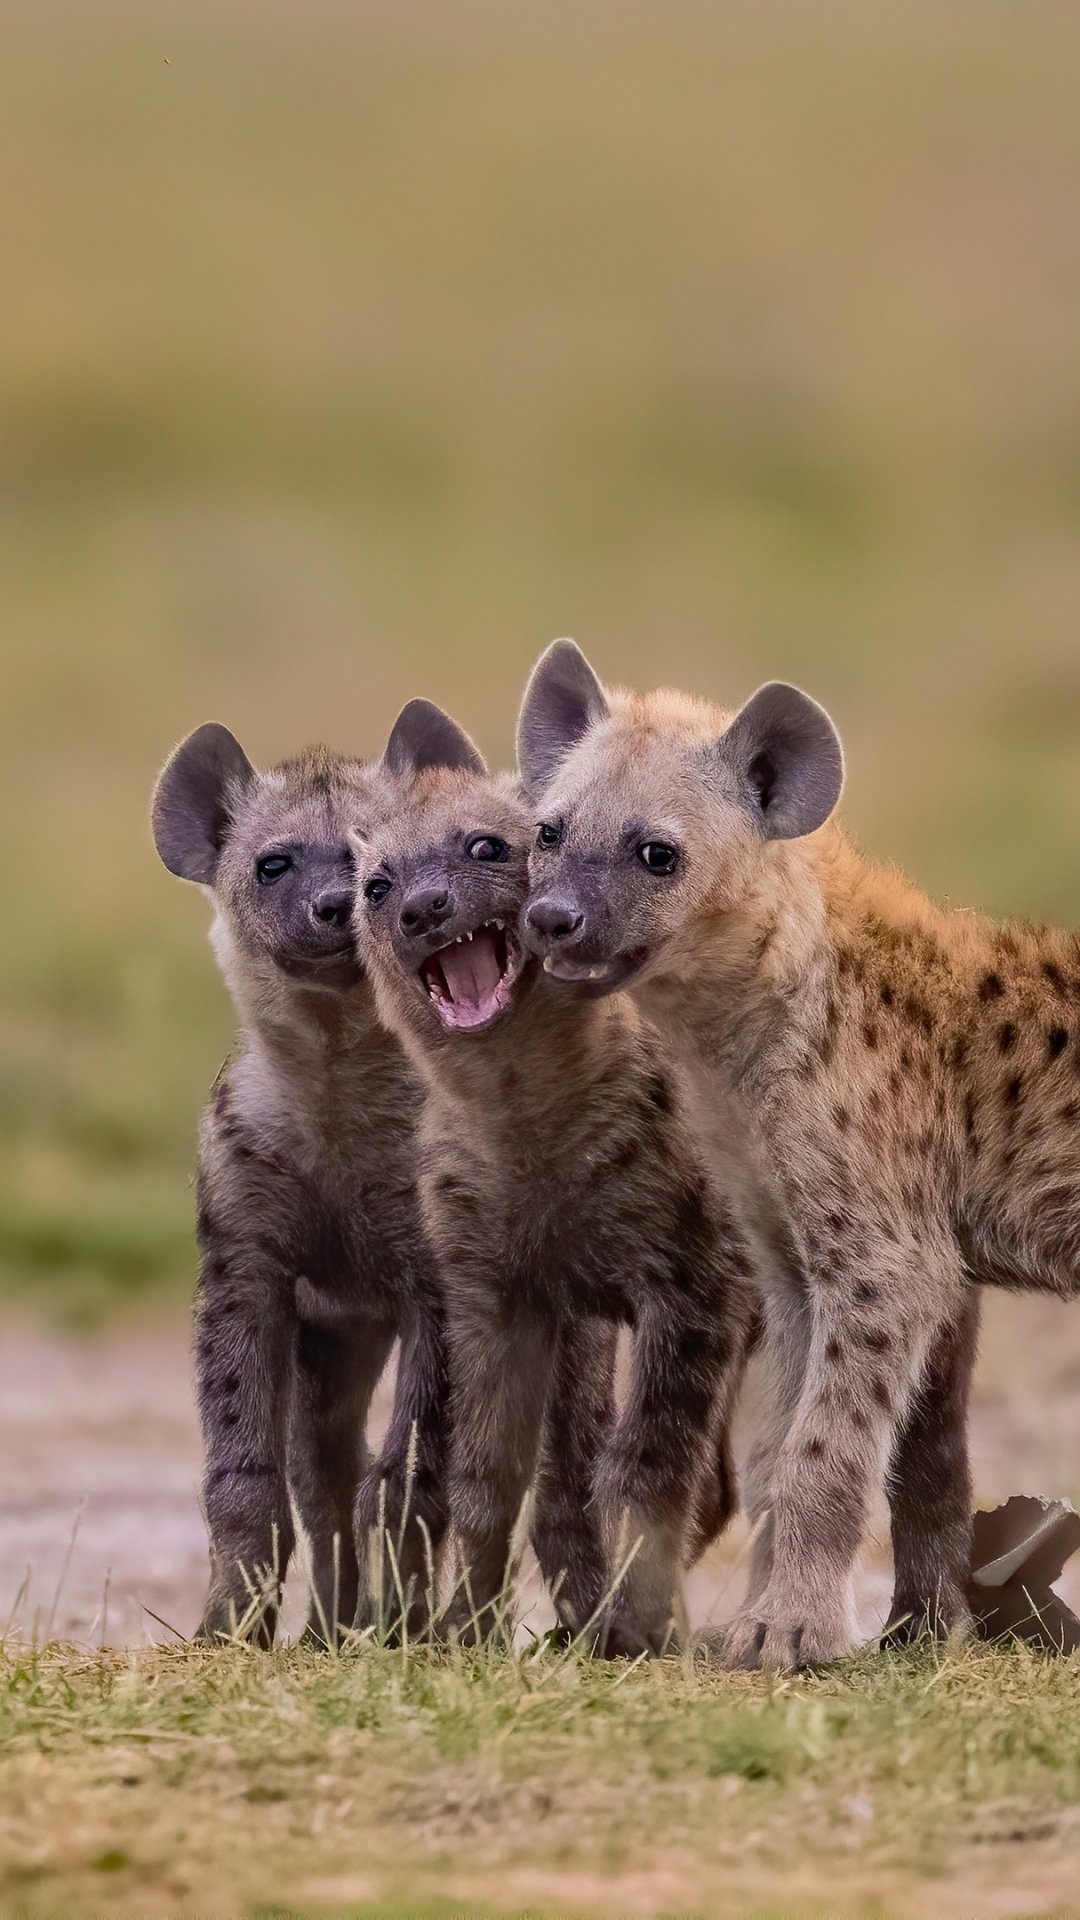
x: 487, y: 846
x: 658, y: 856
x: 377, y: 889
x: 547, y: 835
x: 271, y: 867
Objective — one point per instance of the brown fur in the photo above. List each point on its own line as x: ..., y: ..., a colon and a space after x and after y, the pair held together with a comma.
x: 907, y: 1072
x: 313, y: 1257
x: 561, y: 1187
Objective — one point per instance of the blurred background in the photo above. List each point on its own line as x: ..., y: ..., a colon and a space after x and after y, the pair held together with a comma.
x: 350, y: 351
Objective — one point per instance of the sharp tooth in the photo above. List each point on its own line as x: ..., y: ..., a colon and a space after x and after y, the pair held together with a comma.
x: 459, y: 940
x: 468, y: 936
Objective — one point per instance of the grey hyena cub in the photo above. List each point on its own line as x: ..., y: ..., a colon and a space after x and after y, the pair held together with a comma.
x: 312, y: 1255
x: 882, y: 1051
x: 562, y: 1189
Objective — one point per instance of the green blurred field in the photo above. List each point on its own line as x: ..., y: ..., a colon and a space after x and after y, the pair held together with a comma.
x: 351, y: 351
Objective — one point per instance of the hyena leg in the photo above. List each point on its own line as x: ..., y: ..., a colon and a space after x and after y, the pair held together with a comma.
x: 337, y: 1371
x: 500, y: 1366
x: 578, y: 1419
x: 930, y: 1490
x: 785, y: 1351
x: 244, y: 1335
x: 400, y: 1514
x: 862, y: 1370
x: 647, y: 1479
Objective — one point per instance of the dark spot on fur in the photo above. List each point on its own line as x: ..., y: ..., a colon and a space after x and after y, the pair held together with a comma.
x: 959, y: 1053
x: 1006, y: 1037
x: 231, y: 1418
x: 841, y: 1116
x: 833, y: 1350
x: 880, y: 1389
x: 887, y: 995
x: 990, y: 987
x: 1054, y: 976
x: 905, y: 1059
x: 866, y: 1292
x: 658, y: 1093
x: 1012, y: 1090
x: 813, y: 1448
x: 231, y: 1383
x: 1069, y: 1111
x: 869, y: 1034
x: 1056, y: 1041
x: 876, y: 1339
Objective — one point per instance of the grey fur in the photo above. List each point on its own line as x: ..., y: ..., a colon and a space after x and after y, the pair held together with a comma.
x: 313, y: 1258
x: 563, y: 699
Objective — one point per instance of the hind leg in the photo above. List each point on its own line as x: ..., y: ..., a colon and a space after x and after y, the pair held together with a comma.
x: 400, y: 1515
x: 336, y: 1373
x: 930, y: 1491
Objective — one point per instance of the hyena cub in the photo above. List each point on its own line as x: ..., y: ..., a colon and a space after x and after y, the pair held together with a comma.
x: 312, y: 1254
x: 908, y: 1072
x: 562, y: 1190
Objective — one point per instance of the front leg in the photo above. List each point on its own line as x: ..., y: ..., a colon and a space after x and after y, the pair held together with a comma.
x: 864, y: 1362
x: 337, y: 1370
x: 244, y: 1333
x: 400, y: 1514
x: 930, y: 1491
x: 648, y: 1477
x: 501, y: 1357
x: 566, y: 1532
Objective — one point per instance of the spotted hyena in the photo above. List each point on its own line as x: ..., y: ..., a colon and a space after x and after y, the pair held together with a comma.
x: 313, y: 1255
x: 910, y: 1074
x: 563, y: 1190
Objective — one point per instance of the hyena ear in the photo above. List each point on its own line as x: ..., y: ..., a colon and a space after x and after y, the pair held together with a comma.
x: 560, y: 704
x: 194, y: 799
x: 424, y: 736
x: 788, y: 759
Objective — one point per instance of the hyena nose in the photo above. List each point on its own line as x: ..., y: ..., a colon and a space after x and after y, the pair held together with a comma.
x: 554, y: 919
x: 422, y: 911
x: 331, y: 909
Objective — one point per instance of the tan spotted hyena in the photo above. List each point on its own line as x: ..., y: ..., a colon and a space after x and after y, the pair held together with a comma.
x: 910, y: 1073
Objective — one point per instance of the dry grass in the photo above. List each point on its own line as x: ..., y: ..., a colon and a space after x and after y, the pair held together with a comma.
x: 380, y: 1782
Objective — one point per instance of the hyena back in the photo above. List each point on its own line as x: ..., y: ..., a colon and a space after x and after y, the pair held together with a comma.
x: 908, y: 1071
x: 563, y: 1191
x: 313, y: 1258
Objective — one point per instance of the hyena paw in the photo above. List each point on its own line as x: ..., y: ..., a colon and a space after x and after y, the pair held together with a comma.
x: 784, y: 1639
x: 625, y: 1637
x: 946, y: 1617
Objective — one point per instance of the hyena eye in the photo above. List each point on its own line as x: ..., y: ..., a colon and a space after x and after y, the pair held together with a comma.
x: 658, y: 856
x: 377, y: 889
x: 547, y: 835
x: 487, y: 846
x: 271, y: 867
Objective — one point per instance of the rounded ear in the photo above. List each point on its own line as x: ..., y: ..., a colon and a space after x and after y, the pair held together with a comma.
x: 194, y: 798
x: 561, y: 702
x: 788, y: 759
x: 424, y: 736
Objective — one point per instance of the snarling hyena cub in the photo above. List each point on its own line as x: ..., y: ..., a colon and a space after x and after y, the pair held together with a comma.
x: 312, y: 1254
x: 561, y: 1186
x: 908, y: 1072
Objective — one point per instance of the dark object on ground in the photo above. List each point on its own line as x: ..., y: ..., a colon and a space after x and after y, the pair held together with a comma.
x: 1018, y: 1550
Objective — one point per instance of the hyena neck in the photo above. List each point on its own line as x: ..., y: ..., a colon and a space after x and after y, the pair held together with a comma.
x: 525, y: 1069
x: 323, y: 1051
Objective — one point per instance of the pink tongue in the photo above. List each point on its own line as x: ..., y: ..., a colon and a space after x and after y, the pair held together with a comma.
x: 471, y: 970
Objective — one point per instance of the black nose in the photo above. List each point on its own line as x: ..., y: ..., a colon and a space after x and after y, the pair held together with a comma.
x: 425, y: 909
x: 331, y: 909
x: 554, y: 919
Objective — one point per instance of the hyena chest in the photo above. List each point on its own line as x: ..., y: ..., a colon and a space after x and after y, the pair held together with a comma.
x: 364, y: 1260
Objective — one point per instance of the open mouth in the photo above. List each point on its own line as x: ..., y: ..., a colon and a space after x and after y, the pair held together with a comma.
x: 603, y: 976
x: 470, y: 981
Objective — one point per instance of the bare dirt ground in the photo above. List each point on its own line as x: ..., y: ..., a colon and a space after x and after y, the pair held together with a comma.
x: 100, y: 1527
